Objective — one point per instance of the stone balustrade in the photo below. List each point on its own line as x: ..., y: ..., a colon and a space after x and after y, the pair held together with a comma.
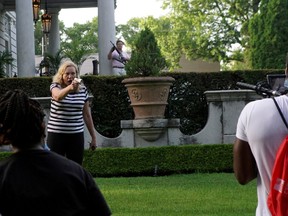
x: 224, y: 109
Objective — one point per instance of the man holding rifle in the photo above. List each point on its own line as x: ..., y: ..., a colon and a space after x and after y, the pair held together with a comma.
x: 118, y: 57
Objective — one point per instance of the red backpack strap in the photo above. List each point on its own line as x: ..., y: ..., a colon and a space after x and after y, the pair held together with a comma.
x: 278, y: 196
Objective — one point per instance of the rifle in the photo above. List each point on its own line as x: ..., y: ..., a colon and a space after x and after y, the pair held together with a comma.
x: 260, y: 89
x: 122, y: 59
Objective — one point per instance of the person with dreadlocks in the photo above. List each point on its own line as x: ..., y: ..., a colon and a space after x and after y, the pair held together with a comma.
x: 34, y: 181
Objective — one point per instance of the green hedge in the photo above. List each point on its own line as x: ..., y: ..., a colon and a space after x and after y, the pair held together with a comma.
x: 187, y: 99
x: 108, y: 162
x: 167, y: 160
x: 111, y: 104
x: 34, y: 87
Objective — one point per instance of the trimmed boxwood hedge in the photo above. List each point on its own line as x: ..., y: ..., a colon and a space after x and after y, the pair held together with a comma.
x: 111, y: 103
x: 151, y: 161
x: 111, y: 162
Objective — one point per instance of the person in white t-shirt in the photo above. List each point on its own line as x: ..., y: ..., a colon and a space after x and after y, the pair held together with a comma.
x: 260, y: 131
x: 119, y: 58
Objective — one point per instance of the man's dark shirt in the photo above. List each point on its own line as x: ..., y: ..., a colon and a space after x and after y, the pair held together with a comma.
x: 40, y: 182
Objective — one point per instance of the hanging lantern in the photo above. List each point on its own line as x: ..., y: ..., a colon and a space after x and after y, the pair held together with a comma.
x: 46, y: 20
x: 36, y: 9
x: 46, y: 23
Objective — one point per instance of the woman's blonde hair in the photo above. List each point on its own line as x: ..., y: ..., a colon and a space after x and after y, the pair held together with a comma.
x: 58, y: 77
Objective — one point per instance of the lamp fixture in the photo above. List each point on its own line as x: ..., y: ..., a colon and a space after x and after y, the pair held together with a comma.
x: 46, y: 20
x: 36, y: 9
x: 44, y: 67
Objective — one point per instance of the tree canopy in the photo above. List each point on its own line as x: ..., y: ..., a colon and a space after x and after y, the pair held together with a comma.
x: 211, y: 30
x: 245, y: 34
x: 80, y: 41
x: 268, y: 35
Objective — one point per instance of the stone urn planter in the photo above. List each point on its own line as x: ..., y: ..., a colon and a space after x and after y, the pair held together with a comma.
x: 148, y: 95
x: 147, y: 88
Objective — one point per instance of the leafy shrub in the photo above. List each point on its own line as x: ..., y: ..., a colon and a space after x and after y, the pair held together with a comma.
x: 146, y: 58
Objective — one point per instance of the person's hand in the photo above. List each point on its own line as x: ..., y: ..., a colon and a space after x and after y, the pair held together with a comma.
x: 112, y: 49
x: 75, y: 85
x: 93, y: 146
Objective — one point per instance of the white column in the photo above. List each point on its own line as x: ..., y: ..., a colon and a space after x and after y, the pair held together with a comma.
x: 54, y: 36
x: 25, y: 38
x: 2, y: 13
x: 106, y: 32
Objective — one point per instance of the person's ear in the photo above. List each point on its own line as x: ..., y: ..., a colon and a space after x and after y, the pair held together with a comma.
x: 2, y: 135
x: 3, y: 138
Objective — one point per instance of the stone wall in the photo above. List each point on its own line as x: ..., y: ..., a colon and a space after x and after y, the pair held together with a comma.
x: 224, y: 109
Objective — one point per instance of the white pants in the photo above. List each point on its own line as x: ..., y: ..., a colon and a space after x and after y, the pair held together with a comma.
x: 119, y: 71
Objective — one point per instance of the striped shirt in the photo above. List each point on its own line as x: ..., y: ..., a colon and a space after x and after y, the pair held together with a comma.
x: 66, y: 116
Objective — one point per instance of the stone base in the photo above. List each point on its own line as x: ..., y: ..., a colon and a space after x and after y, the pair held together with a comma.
x: 150, y: 132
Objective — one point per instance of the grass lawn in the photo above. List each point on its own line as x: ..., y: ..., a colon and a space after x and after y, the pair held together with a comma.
x: 190, y: 194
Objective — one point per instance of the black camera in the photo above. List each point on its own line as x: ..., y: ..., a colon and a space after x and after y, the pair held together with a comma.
x: 274, y: 86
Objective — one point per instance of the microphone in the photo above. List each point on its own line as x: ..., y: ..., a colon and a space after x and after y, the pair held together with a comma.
x: 258, y: 89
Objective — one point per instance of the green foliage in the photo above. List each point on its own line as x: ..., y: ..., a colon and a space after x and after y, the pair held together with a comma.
x: 80, y: 41
x: 187, y: 99
x: 208, y: 29
x: 237, y: 33
x: 111, y: 104
x: 53, y: 61
x: 5, y: 59
x: 166, y: 160
x: 160, y: 28
x: 38, y: 34
x: 146, y: 58
x: 268, y: 32
x: 130, y: 30
x: 34, y: 87
x: 4, y: 155
x: 201, y: 194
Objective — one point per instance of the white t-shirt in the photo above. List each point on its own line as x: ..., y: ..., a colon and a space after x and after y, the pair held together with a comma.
x: 261, y: 125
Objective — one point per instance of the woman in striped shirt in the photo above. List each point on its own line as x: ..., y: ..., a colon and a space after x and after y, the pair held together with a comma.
x: 69, y: 111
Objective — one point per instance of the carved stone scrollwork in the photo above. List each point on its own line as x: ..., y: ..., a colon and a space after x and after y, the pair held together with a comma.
x: 163, y: 94
x: 148, y: 95
x: 135, y: 93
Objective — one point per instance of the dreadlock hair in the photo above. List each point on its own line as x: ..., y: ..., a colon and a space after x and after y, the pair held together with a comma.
x: 21, y: 120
